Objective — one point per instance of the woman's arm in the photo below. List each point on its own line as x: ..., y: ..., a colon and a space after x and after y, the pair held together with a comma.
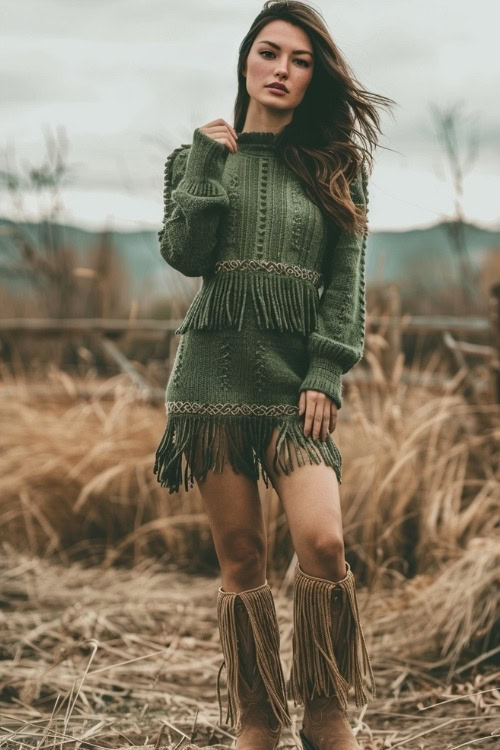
x: 337, y: 343
x: 193, y: 200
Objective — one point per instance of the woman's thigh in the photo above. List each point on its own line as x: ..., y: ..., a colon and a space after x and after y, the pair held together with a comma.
x: 311, y: 500
x: 233, y: 506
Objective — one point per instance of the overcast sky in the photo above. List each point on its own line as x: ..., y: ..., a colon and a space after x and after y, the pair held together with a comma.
x: 129, y: 80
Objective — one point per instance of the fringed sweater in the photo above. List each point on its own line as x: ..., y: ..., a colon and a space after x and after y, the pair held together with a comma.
x: 244, y: 223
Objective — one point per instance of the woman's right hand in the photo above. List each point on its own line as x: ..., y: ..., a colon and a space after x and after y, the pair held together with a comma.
x: 221, y: 131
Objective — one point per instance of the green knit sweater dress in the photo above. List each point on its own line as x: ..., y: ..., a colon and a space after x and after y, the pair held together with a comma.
x: 281, y: 309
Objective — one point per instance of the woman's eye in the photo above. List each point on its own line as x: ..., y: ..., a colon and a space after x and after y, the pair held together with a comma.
x: 268, y: 52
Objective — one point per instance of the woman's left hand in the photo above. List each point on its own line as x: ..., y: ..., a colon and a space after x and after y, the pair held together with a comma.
x: 320, y: 413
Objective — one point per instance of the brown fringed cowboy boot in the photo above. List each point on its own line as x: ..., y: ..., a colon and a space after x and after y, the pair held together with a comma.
x: 329, y: 657
x: 250, y: 642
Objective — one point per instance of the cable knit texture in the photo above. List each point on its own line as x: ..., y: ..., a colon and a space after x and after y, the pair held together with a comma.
x: 281, y: 308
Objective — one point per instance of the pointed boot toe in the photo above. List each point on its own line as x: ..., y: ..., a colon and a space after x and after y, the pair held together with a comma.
x: 326, y: 726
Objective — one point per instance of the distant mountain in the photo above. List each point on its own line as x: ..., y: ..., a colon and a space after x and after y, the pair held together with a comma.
x: 422, y: 255
x: 425, y: 255
x: 150, y: 277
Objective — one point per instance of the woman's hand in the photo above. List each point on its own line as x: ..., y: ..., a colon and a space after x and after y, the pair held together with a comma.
x: 221, y: 131
x: 320, y: 413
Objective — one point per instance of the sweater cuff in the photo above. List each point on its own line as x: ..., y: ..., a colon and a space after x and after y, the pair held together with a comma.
x: 325, y: 376
x: 206, y: 158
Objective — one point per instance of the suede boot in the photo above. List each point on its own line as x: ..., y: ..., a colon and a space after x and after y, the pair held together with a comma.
x: 329, y: 657
x: 250, y: 643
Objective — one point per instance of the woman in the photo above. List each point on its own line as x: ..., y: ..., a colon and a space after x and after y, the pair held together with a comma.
x: 270, y: 211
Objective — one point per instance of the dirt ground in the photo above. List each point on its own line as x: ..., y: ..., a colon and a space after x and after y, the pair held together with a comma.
x: 114, y: 658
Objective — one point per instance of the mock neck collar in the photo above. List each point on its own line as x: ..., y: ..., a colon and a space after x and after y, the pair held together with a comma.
x: 258, y: 141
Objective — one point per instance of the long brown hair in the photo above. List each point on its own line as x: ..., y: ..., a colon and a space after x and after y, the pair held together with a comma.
x: 320, y: 144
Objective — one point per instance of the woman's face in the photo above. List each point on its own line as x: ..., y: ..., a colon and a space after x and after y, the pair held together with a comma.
x: 281, y: 53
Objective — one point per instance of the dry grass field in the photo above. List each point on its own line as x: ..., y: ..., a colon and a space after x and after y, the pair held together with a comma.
x: 108, y: 626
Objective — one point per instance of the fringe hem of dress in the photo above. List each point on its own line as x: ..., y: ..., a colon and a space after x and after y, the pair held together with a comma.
x: 281, y: 302
x: 211, y: 441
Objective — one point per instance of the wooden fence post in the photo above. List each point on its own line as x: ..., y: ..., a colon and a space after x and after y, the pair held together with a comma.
x: 495, y: 340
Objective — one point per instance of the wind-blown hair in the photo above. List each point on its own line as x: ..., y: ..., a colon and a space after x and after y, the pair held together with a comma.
x: 334, y: 129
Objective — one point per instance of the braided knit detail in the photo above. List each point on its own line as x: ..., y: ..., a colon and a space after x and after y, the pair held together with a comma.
x: 287, y: 269
x: 260, y: 368
x: 224, y: 410
x: 362, y: 275
x: 225, y: 359
x: 315, y: 667
x: 259, y: 603
x: 177, y: 366
x: 261, y: 228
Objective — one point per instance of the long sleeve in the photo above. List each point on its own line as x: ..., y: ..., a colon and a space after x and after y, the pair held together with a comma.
x: 337, y: 343
x: 194, y: 199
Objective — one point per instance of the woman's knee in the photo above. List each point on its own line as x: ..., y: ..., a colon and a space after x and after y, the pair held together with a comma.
x: 243, y: 547
x: 325, y: 556
x: 243, y: 560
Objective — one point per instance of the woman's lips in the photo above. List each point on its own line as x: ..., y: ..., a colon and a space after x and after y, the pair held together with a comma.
x: 276, y: 90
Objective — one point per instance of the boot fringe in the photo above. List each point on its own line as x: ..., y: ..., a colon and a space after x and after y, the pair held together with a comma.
x: 315, y: 668
x: 280, y: 301
x: 259, y: 603
x: 240, y: 439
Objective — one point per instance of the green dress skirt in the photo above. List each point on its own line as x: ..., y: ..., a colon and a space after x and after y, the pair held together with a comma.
x: 247, y: 370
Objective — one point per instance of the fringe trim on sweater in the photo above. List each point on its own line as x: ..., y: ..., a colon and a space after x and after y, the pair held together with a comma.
x: 261, y: 611
x: 281, y: 302
x: 329, y: 649
x: 240, y: 439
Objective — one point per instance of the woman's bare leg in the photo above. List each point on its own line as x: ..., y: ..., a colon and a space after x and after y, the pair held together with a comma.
x: 234, y: 511
x: 232, y: 503
x: 311, y: 500
x: 310, y: 497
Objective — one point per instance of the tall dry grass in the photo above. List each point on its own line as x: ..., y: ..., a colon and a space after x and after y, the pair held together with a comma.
x: 129, y: 657
x: 421, y: 480
x: 131, y: 652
